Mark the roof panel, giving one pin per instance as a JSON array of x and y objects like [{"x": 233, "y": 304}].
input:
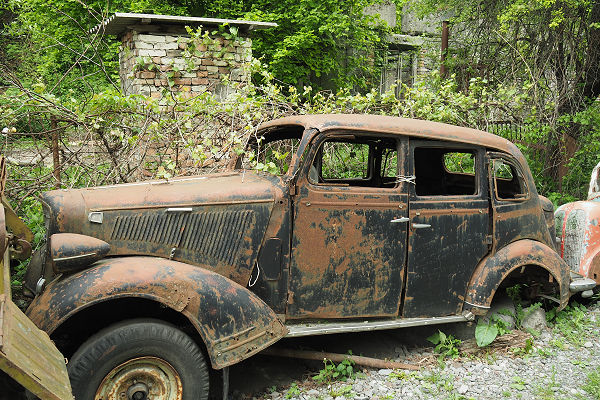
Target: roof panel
[
  {"x": 396, "y": 125},
  {"x": 118, "y": 23}
]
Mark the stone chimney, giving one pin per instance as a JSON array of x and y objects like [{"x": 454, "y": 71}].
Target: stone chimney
[{"x": 157, "y": 56}]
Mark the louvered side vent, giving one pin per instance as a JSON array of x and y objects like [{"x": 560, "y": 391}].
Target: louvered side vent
[
  {"x": 574, "y": 242},
  {"x": 216, "y": 235}
]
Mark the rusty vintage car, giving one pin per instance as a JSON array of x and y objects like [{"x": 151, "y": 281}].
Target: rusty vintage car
[
  {"x": 578, "y": 232},
  {"x": 357, "y": 223}
]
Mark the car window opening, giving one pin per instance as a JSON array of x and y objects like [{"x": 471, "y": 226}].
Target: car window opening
[
  {"x": 444, "y": 172},
  {"x": 363, "y": 161},
  {"x": 508, "y": 182},
  {"x": 273, "y": 151}
]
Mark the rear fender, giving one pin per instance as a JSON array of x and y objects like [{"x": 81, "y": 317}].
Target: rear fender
[
  {"x": 232, "y": 321},
  {"x": 492, "y": 270}
]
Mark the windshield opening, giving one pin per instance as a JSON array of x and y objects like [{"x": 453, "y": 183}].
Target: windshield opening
[{"x": 272, "y": 151}]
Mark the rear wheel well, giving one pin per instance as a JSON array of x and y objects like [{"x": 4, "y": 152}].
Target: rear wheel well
[{"x": 530, "y": 281}]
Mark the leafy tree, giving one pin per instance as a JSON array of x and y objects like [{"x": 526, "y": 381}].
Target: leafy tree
[
  {"x": 52, "y": 43},
  {"x": 316, "y": 42},
  {"x": 319, "y": 39},
  {"x": 548, "y": 50}
]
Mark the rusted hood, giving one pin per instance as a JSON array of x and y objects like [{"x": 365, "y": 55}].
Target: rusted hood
[{"x": 217, "y": 221}]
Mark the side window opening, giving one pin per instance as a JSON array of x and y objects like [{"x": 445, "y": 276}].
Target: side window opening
[
  {"x": 445, "y": 172},
  {"x": 363, "y": 161},
  {"x": 342, "y": 160},
  {"x": 509, "y": 184}
]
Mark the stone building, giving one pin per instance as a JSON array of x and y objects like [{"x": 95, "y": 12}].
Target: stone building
[
  {"x": 156, "y": 55},
  {"x": 414, "y": 49}
]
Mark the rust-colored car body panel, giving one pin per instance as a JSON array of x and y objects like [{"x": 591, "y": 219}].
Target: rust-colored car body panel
[
  {"x": 223, "y": 228},
  {"x": 394, "y": 126},
  {"x": 494, "y": 269},
  {"x": 233, "y": 322},
  {"x": 578, "y": 231},
  {"x": 63, "y": 245}
]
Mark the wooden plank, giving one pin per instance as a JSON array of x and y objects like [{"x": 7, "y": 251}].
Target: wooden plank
[{"x": 29, "y": 356}]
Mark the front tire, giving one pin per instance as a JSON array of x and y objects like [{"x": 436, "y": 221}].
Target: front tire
[{"x": 139, "y": 360}]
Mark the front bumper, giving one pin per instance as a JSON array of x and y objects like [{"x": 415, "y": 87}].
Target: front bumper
[{"x": 580, "y": 284}]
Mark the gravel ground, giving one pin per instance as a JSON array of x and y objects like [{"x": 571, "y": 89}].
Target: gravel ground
[{"x": 558, "y": 366}]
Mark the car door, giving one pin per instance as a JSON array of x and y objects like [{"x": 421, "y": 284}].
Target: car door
[
  {"x": 515, "y": 200},
  {"x": 449, "y": 226},
  {"x": 349, "y": 229}
]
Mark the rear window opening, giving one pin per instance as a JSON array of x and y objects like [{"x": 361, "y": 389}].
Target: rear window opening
[{"x": 445, "y": 172}]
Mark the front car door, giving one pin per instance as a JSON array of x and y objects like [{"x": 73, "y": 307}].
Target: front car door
[
  {"x": 449, "y": 227},
  {"x": 349, "y": 228}
]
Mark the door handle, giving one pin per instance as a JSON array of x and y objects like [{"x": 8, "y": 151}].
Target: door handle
[
  {"x": 420, "y": 226},
  {"x": 401, "y": 219}
]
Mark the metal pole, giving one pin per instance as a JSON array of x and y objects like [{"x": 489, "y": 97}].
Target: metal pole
[
  {"x": 226, "y": 383},
  {"x": 443, "y": 71},
  {"x": 55, "y": 155}
]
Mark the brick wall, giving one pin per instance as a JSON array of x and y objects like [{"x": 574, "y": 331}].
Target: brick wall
[{"x": 155, "y": 63}]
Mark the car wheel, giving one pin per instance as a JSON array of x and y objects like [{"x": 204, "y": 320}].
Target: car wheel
[{"x": 139, "y": 360}]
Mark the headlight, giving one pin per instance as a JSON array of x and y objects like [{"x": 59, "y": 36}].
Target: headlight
[{"x": 72, "y": 252}]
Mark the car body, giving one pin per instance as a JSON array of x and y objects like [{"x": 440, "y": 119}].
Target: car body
[
  {"x": 578, "y": 231},
  {"x": 363, "y": 222}
]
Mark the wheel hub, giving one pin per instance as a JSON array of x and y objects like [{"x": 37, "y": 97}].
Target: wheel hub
[
  {"x": 138, "y": 391},
  {"x": 144, "y": 378}
]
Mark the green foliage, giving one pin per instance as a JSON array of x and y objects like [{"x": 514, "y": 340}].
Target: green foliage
[
  {"x": 518, "y": 383},
  {"x": 54, "y": 41},
  {"x": 523, "y": 351},
  {"x": 545, "y": 55},
  {"x": 344, "y": 391},
  {"x": 332, "y": 372},
  {"x": 319, "y": 41},
  {"x": 325, "y": 44},
  {"x": 592, "y": 384},
  {"x": 294, "y": 390},
  {"x": 485, "y": 333},
  {"x": 572, "y": 323},
  {"x": 445, "y": 345}
]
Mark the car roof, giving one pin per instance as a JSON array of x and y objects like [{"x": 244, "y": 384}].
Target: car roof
[{"x": 393, "y": 125}]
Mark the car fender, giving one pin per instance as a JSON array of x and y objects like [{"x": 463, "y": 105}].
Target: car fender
[
  {"x": 233, "y": 322},
  {"x": 493, "y": 269},
  {"x": 591, "y": 264}
]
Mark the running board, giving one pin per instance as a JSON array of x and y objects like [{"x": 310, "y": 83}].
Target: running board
[{"x": 329, "y": 328}]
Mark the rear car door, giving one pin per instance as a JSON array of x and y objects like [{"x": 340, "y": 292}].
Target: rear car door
[{"x": 449, "y": 225}]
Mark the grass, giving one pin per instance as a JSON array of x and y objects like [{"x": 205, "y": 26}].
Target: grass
[
  {"x": 573, "y": 324},
  {"x": 592, "y": 384},
  {"x": 294, "y": 390},
  {"x": 345, "y": 391}
]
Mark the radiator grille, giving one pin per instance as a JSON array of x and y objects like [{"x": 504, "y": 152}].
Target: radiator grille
[
  {"x": 216, "y": 235},
  {"x": 574, "y": 241}
]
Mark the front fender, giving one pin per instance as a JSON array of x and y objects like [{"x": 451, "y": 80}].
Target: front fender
[
  {"x": 492, "y": 270},
  {"x": 233, "y": 322}
]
